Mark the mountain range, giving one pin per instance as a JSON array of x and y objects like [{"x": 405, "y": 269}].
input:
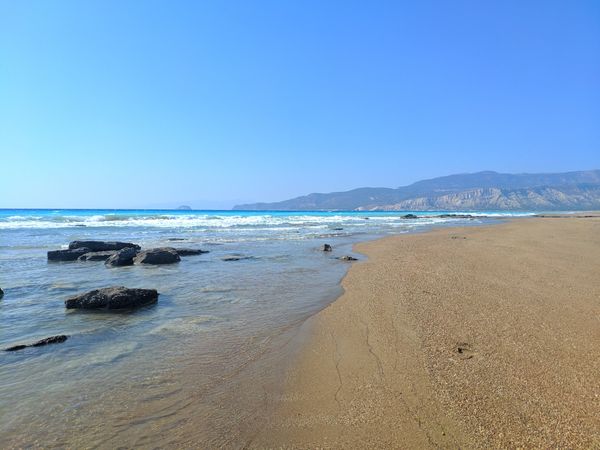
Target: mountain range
[{"x": 472, "y": 191}]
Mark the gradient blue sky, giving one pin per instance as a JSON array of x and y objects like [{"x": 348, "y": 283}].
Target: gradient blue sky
[{"x": 155, "y": 103}]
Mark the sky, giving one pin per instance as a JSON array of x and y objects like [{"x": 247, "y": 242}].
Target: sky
[{"x": 141, "y": 104}]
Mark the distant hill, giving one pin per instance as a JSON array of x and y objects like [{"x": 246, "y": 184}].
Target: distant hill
[{"x": 472, "y": 191}]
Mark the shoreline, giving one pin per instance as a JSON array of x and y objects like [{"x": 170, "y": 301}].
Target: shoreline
[{"x": 438, "y": 340}]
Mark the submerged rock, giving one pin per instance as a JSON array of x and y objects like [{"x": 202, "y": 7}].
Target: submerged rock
[
  {"x": 96, "y": 256},
  {"x": 164, "y": 255},
  {"x": 347, "y": 258},
  {"x": 49, "y": 340},
  {"x": 117, "y": 297},
  {"x": 67, "y": 255},
  {"x": 456, "y": 216},
  {"x": 102, "y": 246},
  {"x": 410, "y": 216},
  {"x": 235, "y": 257},
  {"x": 123, "y": 257},
  {"x": 189, "y": 251},
  {"x": 326, "y": 248}
]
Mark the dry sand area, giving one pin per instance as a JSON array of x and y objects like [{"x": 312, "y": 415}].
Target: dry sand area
[{"x": 479, "y": 337}]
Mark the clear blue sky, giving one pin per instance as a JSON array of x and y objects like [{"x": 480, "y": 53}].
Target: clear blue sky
[{"x": 137, "y": 104}]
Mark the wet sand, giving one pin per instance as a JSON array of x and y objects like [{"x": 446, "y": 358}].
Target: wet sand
[{"x": 459, "y": 338}]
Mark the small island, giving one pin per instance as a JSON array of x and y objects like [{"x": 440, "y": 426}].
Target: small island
[{"x": 184, "y": 208}]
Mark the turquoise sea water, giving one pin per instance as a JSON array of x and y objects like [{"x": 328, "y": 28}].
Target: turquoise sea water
[{"x": 196, "y": 366}]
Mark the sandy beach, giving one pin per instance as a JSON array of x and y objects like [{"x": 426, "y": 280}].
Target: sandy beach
[{"x": 480, "y": 337}]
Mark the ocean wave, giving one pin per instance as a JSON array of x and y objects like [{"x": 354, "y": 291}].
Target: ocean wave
[{"x": 267, "y": 222}]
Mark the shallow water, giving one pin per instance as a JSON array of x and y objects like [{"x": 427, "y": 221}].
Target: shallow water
[{"x": 202, "y": 365}]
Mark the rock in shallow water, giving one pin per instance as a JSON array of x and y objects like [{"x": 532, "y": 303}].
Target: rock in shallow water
[
  {"x": 67, "y": 255},
  {"x": 327, "y": 248},
  {"x": 1, "y": 293},
  {"x": 123, "y": 257},
  {"x": 49, "y": 340},
  {"x": 117, "y": 297},
  {"x": 164, "y": 255},
  {"x": 347, "y": 258},
  {"x": 102, "y": 246},
  {"x": 235, "y": 257},
  {"x": 189, "y": 251}
]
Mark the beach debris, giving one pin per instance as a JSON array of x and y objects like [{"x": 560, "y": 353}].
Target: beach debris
[
  {"x": 102, "y": 246},
  {"x": 163, "y": 255},
  {"x": 189, "y": 251},
  {"x": 67, "y": 255},
  {"x": 49, "y": 340},
  {"x": 464, "y": 350},
  {"x": 123, "y": 257},
  {"x": 96, "y": 256},
  {"x": 410, "y": 216},
  {"x": 116, "y": 297},
  {"x": 458, "y": 237},
  {"x": 326, "y": 248},
  {"x": 347, "y": 258}
]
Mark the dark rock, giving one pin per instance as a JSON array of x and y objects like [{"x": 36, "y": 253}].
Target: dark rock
[
  {"x": 49, "y": 340},
  {"x": 67, "y": 255},
  {"x": 96, "y": 256},
  {"x": 164, "y": 255},
  {"x": 189, "y": 251},
  {"x": 112, "y": 298},
  {"x": 337, "y": 229},
  {"x": 177, "y": 239},
  {"x": 409, "y": 216},
  {"x": 123, "y": 257},
  {"x": 14, "y": 348},
  {"x": 326, "y": 248},
  {"x": 347, "y": 258},
  {"x": 235, "y": 257},
  {"x": 1, "y": 293},
  {"x": 456, "y": 216},
  {"x": 102, "y": 246}
]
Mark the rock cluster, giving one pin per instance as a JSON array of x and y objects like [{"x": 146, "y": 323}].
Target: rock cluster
[{"x": 116, "y": 254}]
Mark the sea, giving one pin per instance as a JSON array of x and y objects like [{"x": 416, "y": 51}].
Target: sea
[{"x": 201, "y": 368}]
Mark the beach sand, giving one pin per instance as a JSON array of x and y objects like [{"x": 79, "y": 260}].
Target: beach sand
[{"x": 466, "y": 337}]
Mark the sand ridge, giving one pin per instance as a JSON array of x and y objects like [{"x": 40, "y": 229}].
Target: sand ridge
[{"x": 471, "y": 337}]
